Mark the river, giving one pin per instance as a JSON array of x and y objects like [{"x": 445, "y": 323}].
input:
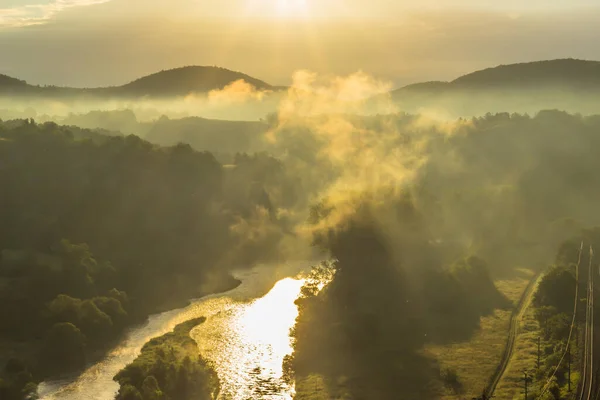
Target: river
[{"x": 245, "y": 336}]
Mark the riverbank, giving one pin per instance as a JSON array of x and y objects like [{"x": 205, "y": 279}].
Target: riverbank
[
  {"x": 216, "y": 340},
  {"x": 186, "y": 293},
  {"x": 29, "y": 353},
  {"x": 169, "y": 366},
  {"x": 181, "y": 298}
]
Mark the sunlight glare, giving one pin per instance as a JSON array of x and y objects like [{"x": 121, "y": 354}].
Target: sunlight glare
[
  {"x": 248, "y": 344},
  {"x": 291, "y": 7},
  {"x": 269, "y": 319},
  {"x": 279, "y": 8}
]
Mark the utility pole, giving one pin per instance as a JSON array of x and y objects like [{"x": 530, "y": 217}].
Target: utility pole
[
  {"x": 569, "y": 359},
  {"x": 526, "y": 380}
]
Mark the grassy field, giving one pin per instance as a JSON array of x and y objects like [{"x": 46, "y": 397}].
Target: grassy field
[
  {"x": 476, "y": 360},
  {"x": 525, "y": 359}
]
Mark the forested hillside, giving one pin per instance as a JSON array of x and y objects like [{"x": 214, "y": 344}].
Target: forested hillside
[
  {"x": 98, "y": 231},
  {"x": 415, "y": 265}
]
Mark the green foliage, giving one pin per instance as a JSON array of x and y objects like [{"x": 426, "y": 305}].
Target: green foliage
[
  {"x": 556, "y": 289},
  {"x": 456, "y": 297},
  {"x": 64, "y": 347},
  {"x": 451, "y": 380},
  {"x": 139, "y": 217},
  {"x": 554, "y": 312},
  {"x": 391, "y": 292},
  {"x": 113, "y": 308},
  {"x": 169, "y": 368},
  {"x": 121, "y": 222},
  {"x": 216, "y": 136},
  {"x": 98, "y": 318},
  {"x": 56, "y": 278},
  {"x": 14, "y": 366},
  {"x": 543, "y": 314},
  {"x": 18, "y": 382},
  {"x": 129, "y": 392},
  {"x": 95, "y": 323},
  {"x": 65, "y": 309},
  {"x": 558, "y": 327},
  {"x": 120, "y": 296},
  {"x": 150, "y": 389}
]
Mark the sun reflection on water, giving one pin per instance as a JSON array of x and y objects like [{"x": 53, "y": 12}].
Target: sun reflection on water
[{"x": 247, "y": 344}]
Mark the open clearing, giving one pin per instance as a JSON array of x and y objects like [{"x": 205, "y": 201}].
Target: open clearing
[{"x": 476, "y": 360}]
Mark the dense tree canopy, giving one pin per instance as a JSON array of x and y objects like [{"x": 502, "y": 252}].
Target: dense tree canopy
[{"x": 98, "y": 231}]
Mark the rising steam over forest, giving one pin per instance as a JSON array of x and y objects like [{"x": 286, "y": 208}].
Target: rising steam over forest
[{"x": 121, "y": 202}]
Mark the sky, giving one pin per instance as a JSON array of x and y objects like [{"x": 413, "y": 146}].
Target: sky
[{"x": 89, "y": 43}]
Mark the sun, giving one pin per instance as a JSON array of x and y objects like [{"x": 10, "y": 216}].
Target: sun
[
  {"x": 280, "y": 9},
  {"x": 291, "y": 7}
]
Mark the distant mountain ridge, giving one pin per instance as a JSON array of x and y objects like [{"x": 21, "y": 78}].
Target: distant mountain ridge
[
  {"x": 567, "y": 74},
  {"x": 561, "y": 73},
  {"x": 188, "y": 79},
  {"x": 167, "y": 83},
  {"x": 565, "y": 84},
  {"x": 11, "y": 83}
]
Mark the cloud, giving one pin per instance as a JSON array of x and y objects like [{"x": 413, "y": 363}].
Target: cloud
[{"x": 38, "y": 13}]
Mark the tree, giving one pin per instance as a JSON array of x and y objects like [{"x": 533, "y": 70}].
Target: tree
[
  {"x": 94, "y": 323},
  {"x": 150, "y": 389},
  {"x": 14, "y": 366},
  {"x": 543, "y": 314},
  {"x": 558, "y": 327},
  {"x": 65, "y": 309},
  {"x": 113, "y": 308},
  {"x": 63, "y": 347},
  {"x": 129, "y": 392},
  {"x": 556, "y": 289}
]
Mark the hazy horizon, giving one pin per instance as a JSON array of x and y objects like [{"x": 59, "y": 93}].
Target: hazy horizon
[
  {"x": 91, "y": 43},
  {"x": 202, "y": 235}
]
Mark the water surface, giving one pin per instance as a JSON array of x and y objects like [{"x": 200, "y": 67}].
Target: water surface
[{"x": 245, "y": 336}]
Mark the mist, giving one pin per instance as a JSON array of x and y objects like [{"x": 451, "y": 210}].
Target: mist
[{"x": 434, "y": 214}]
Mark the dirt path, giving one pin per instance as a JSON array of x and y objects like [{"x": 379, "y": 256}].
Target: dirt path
[{"x": 513, "y": 332}]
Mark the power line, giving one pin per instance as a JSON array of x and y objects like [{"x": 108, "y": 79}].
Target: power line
[
  {"x": 588, "y": 368},
  {"x": 587, "y": 385},
  {"x": 549, "y": 381}
]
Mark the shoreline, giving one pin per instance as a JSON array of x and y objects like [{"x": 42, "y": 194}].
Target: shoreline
[
  {"x": 178, "y": 350},
  {"x": 182, "y": 301},
  {"x": 168, "y": 305}
]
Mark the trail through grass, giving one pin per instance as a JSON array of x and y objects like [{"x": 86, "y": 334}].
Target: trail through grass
[{"x": 475, "y": 361}]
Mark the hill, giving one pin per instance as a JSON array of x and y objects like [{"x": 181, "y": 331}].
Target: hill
[
  {"x": 182, "y": 81},
  {"x": 566, "y": 84},
  {"x": 11, "y": 83},
  {"x": 564, "y": 73},
  {"x": 170, "y": 83}
]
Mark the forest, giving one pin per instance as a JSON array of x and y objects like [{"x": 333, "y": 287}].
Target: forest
[
  {"x": 299, "y": 199},
  {"x": 101, "y": 229}
]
